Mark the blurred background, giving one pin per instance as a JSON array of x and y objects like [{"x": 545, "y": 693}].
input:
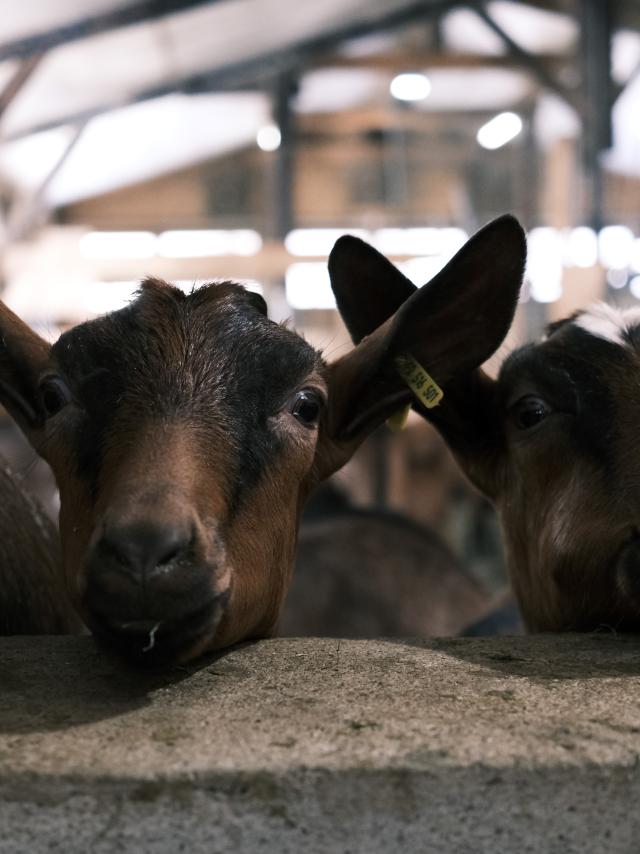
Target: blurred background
[{"x": 204, "y": 139}]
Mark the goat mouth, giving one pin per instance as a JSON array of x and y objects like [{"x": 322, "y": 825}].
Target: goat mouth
[{"x": 148, "y": 643}]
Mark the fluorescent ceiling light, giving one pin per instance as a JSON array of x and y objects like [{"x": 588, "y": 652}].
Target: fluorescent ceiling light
[
  {"x": 410, "y": 87},
  {"x": 544, "y": 264},
  {"x": 422, "y": 270},
  {"x": 307, "y": 286},
  {"x": 145, "y": 140},
  {"x": 500, "y": 130},
  {"x": 206, "y": 243},
  {"x": 118, "y": 244},
  {"x": 269, "y": 137},
  {"x": 616, "y": 246},
  {"x": 318, "y": 241},
  {"x": 420, "y": 241},
  {"x": 581, "y": 247},
  {"x": 100, "y": 297}
]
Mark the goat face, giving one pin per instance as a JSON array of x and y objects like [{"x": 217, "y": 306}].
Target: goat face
[
  {"x": 566, "y": 472},
  {"x": 182, "y": 432},
  {"x": 186, "y": 431},
  {"x": 553, "y": 442}
]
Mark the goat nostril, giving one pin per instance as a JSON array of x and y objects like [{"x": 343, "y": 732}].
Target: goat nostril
[
  {"x": 173, "y": 552},
  {"x": 167, "y": 558},
  {"x": 143, "y": 546}
]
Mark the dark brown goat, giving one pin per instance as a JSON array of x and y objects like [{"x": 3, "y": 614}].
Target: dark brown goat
[
  {"x": 553, "y": 443},
  {"x": 185, "y": 432},
  {"x": 32, "y": 596},
  {"x": 365, "y": 572}
]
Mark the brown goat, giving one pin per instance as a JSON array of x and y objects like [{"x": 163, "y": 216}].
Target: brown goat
[
  {"x": 185, "y": 432},
  {"x": 32, "y": 596},
  {"x": 366, "y": 572},
  {"x": 553, "y": 443}
]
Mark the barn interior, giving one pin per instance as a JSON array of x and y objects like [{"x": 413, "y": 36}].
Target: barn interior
[{"x": 196, "y": 140}]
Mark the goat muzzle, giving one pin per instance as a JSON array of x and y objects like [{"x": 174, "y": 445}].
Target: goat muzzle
[{"x": 153, "y": 589}]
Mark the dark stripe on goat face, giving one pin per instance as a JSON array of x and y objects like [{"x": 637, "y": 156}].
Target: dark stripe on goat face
[
  {"x": 211, "y": 359},
  {"x": 570, "y": 491},
  {"x": 580, "y": 377}
]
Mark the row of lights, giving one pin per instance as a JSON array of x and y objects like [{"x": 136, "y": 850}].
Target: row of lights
[
  {"x": 615, "y": 246},
  {"x": 498, "y": 131},
  {"x": 303, "y": 242},
  {"x": 414, "y": 87},
  {"x": 198, "y": 243},
  {"x": 101, "y": 297},
  {"x": 551, "y": 250}
]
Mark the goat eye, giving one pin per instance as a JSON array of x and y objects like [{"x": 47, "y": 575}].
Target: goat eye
[
  {"x": 529, "y": 411},
  {"x": 54, "y": 394},
  {"x": 306, "y": 407}
]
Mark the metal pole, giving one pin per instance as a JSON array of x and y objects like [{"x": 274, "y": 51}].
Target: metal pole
[
  {"x": 284, "y": 163},
  {"x": 23, "y": 72},
  {"x": 595, "y": 49}
]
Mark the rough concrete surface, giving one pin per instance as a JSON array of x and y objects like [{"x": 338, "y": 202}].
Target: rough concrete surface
[{"x": 467, "y": 745}]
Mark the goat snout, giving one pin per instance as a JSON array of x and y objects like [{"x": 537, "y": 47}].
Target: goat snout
[
  {"x": 153, "y": 584},
  {"x": 145, "y": 550}
]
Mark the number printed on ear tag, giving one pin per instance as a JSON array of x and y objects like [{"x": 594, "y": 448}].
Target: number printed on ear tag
[{"x": 425, "y": 388}]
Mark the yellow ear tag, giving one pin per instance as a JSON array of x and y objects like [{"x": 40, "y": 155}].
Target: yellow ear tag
[
  {"x": 425, "y": 388},
  {"x": 398, "y": 421}
]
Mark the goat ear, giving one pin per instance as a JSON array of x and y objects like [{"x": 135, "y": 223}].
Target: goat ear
[
  {"x": 450, "y": 326},
  {"x": 23, "y": 356},
  {"x": 367, "y": 287}
]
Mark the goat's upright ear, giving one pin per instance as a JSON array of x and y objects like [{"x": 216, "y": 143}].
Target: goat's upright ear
[
  {"x": 23, "y": 356},
  {"x": 450, "y": 326},
  {"x": 367, "y": 287}
]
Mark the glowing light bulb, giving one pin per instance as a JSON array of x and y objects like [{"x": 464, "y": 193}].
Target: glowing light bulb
[
  {"x": 500, "y": 130},
  {"x": 410, "y": 87}
]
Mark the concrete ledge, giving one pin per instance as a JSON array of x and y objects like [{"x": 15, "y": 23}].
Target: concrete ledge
[{"x": 467, "y": 745}]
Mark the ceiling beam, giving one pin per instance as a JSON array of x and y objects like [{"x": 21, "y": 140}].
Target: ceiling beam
[
  {"x": 523, "y": 58},
  {"x": 426, "y": 60},
  {"x": 20, "y": 76},
  {"x": 259, "y": 71},
  {"x": 92, "y": 25},
  {"x": 363, "y": 120},
  {"x": 29, "y": 213}
]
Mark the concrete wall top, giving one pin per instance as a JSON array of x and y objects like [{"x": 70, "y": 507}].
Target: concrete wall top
[{"x": 448, "y": 745}]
